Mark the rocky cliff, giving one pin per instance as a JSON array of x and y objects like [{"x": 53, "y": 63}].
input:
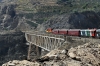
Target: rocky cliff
[
  {"x": 12, "y": 46},
  {"x": 78, "y": 20},
  {"x": 8, "y": 18}
]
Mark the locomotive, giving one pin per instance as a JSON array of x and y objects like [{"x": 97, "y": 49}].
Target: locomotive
[{"x": 76, "y": 32}]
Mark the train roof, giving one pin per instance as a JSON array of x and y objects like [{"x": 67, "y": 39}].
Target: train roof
[
  {"x": 98, "y": 30},
  {"x": 88, "y": 29},
  {"x": 74, "y": 29},
  {"x": 63, "y": 29}
]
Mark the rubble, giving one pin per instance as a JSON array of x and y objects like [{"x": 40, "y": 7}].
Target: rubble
[
  {"x": 87, "y": 53},
  {"x": 21, "y": 63}
]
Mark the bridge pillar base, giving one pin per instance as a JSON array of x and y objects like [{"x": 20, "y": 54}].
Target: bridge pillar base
[
  {"x": 38, "y": 51},
  {"x": 33, "y": 52}
]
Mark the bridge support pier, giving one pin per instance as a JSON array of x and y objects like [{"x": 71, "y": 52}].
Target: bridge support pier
[
  {"x": 33, "y": 52},
  {"x": 38, "y": 51},
  {"x": 29, "y": 51}
]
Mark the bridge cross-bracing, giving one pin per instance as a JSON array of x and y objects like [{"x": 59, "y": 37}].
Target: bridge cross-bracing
[{"x": 45, "y": 41}]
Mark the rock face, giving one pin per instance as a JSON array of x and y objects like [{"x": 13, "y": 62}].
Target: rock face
[
  {"x": 88, "y": 53},
  {"x": 12, "y": 46},
  {"x": 87, "y": 19},
  {"x": 8, "y": 18},
  {"x": 58, "y": 22},
  {"x": 9, "y": 10},
  {"x": 78, "y": 20}
]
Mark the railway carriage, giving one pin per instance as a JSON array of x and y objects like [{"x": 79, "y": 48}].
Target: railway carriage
[
  {"x": 55, "y": 31},
  {"x": 93, "y": 32},
  {"x": 87, "y": 32},
  {"x": 98, "y": 33},
  {"x": 74, "y": 32},
  {"x": 63, "y": 31}
]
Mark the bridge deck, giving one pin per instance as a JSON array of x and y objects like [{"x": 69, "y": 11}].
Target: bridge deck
[{"x": 46, "y": 41}]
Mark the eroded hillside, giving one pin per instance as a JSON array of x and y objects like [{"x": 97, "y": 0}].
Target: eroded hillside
[
  {"x": 30, "y": 14},
  {"x": 78, "y": 20}
]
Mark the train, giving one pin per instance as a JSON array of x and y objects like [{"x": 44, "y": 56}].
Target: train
[{"x": 95, "y": 33}]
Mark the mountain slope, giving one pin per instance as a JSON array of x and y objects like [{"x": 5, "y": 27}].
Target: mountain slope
[
  {"x": 30, "y": 14},
  {"x": 78, "y": 20}
]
